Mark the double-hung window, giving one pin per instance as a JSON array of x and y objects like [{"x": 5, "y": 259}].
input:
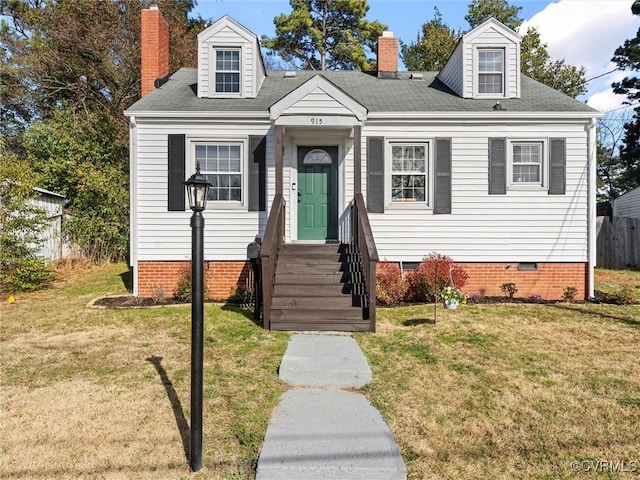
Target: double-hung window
[
  {"x": 527, "y": 163},
  {"x": 490, "y": 71},
  {"x": 409, "y": 164},
  {"x": 227, "y": 62},
  {"x": 221, "y": 164}
]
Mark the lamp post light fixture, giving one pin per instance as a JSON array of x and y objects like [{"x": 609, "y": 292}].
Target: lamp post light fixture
[{"x": 197, "y": 191}]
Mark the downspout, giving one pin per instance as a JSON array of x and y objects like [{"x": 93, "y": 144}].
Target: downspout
[
  {"x": 591, "y": 209},
  {"x": 133, "y": 194}
]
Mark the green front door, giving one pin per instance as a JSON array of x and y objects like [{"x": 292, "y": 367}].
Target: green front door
[{"x": 317, "y": 193}]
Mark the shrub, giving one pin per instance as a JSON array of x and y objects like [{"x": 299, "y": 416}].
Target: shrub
[
  {"x": 509, "y": 289},
  {"x": 389, "y": 284},
  {"x": 25, "y": 274},
  {"x": 183, "y": 290},
  {"x": 625, "y": 295},
  {"x": 432, "y": 275},
  {"x": 569, "y": 294},
  {"x": 241, "y": 295}
]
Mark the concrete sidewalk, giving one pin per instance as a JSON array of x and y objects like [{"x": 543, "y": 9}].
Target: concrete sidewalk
[{"x": 324, "y": 432}]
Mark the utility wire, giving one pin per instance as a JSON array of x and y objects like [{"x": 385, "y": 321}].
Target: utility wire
[{"x": 602, "y": 75}]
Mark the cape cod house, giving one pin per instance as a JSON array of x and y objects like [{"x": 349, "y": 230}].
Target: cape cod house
[{"x": 338, "y": 170}]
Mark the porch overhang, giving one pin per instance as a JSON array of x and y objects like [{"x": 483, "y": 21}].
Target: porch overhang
[{"x": 318, "y": 103}]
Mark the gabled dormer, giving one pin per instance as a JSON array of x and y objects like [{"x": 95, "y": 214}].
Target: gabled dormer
[
  {"x": 485, "y": 63},
  {"x": 230, "y": 64}
]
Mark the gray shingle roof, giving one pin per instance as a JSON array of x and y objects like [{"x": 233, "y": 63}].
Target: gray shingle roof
[{"x": 377, "y": 95}]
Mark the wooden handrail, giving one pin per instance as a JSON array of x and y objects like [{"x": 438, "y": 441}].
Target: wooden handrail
[
  {"x": 273, "y": 238},
  {"x": 362, "y": 238}
]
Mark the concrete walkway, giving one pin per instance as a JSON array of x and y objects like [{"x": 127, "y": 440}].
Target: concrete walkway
[{"x": 324, "y": 432}]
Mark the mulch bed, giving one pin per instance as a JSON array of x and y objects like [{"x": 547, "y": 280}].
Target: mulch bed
[{"x": 129, "y": 301}]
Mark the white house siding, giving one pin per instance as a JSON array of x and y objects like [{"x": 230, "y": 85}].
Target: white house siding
[
  {"x": 166, "y": 235},
  {"x": 524, "y": 226},
  {"x": 627, "y": 205},
  {"x": 452, "y": 74}
]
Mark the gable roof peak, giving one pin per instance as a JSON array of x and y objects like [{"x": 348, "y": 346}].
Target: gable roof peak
[
  {"x": 226, "y": 21},
  {"x": 491, "y": 22}
]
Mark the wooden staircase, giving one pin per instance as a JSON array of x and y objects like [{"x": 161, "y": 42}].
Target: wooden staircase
[{"x": 314, "y": 289}]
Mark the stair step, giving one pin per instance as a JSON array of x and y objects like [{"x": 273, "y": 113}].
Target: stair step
[
  {"x": 312, "y": 247},
  {"x": 314, "y": 314},
  {"x": 310, "y": 268},
  {"x": 311, "y": 279},
  {"x": 335, "y": 302},
  {"x": 358, "y": 326},
  {"x": 280, "y": 290}
]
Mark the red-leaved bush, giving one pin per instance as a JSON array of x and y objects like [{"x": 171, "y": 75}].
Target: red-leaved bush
[
  {"x": 389, "y": 284},
  {"x": 434, "y": 273}
]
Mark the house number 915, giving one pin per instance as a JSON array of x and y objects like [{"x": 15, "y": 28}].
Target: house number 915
[{"x": 316, "y": 121}]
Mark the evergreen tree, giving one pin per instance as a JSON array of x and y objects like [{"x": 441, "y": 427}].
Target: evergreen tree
[
  {"x": 432, "y": 48},
  {"x": 627, "y": 57},
  {"x": 326, "y": 35}
]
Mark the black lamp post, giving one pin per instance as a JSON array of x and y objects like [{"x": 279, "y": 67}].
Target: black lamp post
[{"x": 197, "y": 190}]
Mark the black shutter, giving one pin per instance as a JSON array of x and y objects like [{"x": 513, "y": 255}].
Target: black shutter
[
  {"x": 442, "y": 180},
  {"x": 497, "y": 166},
  {"x": 257, "y": 173},
  {"x": 176, "y": 170},
  {"x": 557, "y": 167},
  {"x": 375, "y": 174}
]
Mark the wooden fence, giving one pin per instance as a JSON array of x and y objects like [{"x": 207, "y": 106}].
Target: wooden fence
[{"x": 618, "y": 242}]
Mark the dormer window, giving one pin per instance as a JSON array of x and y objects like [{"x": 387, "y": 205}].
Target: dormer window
[
  {"x": 227, "y": 78},
  {"x": 490, "y": 71}
]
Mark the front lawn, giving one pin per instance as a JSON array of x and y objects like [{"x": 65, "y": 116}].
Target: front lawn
[
  {"x": 105, "y": 394},
  {"x": 511, "y": 391},
  {"x": 489, "y": 391}
]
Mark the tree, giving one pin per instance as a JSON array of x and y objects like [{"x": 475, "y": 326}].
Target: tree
[
  {"x": 73, "y": 153},
  {"x": 20, "y": 225},
  {"x": 481, "y": 10},
  {"x": 627, "y": 57},
  {"x": 325, "y": 35},
  {"x": 69, "y": 70},
  {"x": 610, "y": 168},
  {"x": 535, "y": 63},
  {"x": 432, "y": 48}
]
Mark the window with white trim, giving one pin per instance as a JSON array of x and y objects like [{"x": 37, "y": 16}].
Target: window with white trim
[
  {"x": 221, "y": 164},
  {"x": 490, "y": 71},
  {"x": 527, "y": 164},
  {"x": 227, "y": 70},
  {"x": 409, "y": 169}
]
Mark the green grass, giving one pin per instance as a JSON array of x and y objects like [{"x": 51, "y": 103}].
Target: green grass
[
  {"x": 508, "y": 390},
  {"x": 107, "y": 392},
  {"x": 487, "y": 391}
]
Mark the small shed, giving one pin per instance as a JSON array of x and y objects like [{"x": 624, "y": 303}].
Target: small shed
[
  {"x": 51, "y": 243},
  {"x": 627, "y": 205}
]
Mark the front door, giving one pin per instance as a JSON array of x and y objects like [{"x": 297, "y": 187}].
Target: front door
[{"x": 317, "y": 193}]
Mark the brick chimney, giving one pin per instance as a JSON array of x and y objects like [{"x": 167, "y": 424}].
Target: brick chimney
[
  {"x": 387, "y": 55},
  {"x": 154, "y": 36}
]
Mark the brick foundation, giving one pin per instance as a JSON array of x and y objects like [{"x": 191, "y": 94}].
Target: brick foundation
[
  {"x": 549, "y": 280},
  {"x": 220, "y": 277}
]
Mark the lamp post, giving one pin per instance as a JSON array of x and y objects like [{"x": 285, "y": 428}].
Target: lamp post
[{"x": 197, "y": 190}]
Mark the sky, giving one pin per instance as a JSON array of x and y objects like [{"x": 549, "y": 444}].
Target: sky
[{"x": 582, "y": 32}]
